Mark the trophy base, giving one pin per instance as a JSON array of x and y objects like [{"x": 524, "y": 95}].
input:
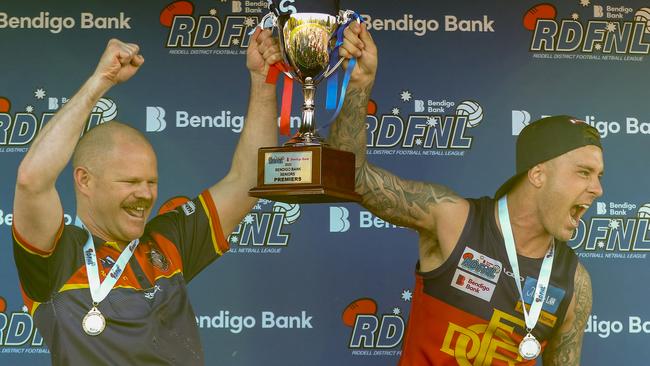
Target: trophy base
[{"x": 305, "y": 174}]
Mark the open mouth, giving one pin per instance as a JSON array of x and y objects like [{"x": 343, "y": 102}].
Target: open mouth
[{"x": 576, "y": 213}]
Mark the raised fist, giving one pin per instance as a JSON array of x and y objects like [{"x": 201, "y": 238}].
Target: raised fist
[
  {"x": 119, "y": 62},
  {"x": 263, "y": 51}
]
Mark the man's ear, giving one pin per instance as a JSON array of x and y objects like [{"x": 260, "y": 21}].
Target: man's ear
[
  {"x": 537, "y": 175},
  {"x": 82, "y": 178}
]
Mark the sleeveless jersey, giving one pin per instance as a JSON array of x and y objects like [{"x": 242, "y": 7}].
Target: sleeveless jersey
[{"x": 468, "y": 310}]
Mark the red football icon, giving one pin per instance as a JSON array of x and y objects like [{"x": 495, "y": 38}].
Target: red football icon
[
  {"x": 3, "y": 304},
  {"x": 168, "y": 13},
  {"x": 372, "y": 107},
  {"x": 5, "y": 105},
  {"x": 539, "y": 11},
  {"x": 358, "y": 307},
  {"x": 171, "y": 204}
]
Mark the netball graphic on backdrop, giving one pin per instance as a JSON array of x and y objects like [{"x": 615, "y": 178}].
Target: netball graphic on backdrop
[
  {"x": 20, "y": 125},
  {"x": 438, "y": 127}
]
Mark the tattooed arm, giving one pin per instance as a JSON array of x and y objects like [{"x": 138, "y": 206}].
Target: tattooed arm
[
  {"x": 425, "y": 207},
  {"x": 564, "y": 349}
]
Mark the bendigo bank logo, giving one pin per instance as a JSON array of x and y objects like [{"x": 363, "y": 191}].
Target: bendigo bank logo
[
  {"x": 571, "y": 33},
  {"x": 18, "y": 334},
  {"x": 373, "y": 334},
  {"x": 187, "y": 30}
]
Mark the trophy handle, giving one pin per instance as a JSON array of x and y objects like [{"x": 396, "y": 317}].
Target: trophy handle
[{"x": 344, "y": 17}]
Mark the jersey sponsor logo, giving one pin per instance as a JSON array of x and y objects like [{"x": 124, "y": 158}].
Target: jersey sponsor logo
[
  {"x": 107, "y": 262},
  {"x": 484, "y": 344},
  {"x": 188, "y": 208},
  {"x": 545, "y": 317},
  {"x": 554, "y": 295},
  {"x": 473, "y": 285},
  {"x": 480, "y": 264},
  {"x": 158, "y": 260}
]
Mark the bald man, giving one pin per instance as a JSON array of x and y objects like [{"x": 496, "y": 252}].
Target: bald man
[{"x": 112, "y": 289}]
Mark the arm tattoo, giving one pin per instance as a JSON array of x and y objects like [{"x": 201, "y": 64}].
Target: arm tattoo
[
  {"x": 349, "y": 130},
  {"x": 399, "y": 201},
  {"x": 396, "y": 200},
  {"x": 564, "y": 349}
]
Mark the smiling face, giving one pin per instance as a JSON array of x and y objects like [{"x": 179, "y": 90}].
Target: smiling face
[
  {"x": 116, "y": 178},
  {"x": 570, "y": 183},
  {"x": 124, "y": 191}
]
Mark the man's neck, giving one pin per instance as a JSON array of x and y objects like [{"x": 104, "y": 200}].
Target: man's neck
[
  {"x": 94, "y": 229},
  {"x": 531, "y": 239}
]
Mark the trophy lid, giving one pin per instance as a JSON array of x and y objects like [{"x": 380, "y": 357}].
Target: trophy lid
[{"x": 284, "y": 7}]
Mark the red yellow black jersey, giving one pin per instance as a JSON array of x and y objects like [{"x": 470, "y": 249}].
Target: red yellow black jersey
[
  {"x": 149, "y": 317},
  {"x": 468, "y": 311}
]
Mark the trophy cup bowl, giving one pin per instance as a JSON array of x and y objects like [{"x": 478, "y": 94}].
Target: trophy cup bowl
[{"x": 305, "y": 170}]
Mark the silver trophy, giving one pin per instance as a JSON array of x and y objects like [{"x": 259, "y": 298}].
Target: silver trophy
[{"x": 319, "y": 173}]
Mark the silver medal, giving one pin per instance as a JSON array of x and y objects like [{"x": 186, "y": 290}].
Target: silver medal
[
  {"x": 94, "y": 322},
  {"x": 529, "y": 348}
]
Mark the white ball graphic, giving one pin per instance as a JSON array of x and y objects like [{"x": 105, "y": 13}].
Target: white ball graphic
[
  {"x": 106, "y": 108},
  {"x": 291, "y": 211},
  {"x": 472, "y": 110},
  {"x": 643, "y": 15},
  {"x": 644, "y": 211}
]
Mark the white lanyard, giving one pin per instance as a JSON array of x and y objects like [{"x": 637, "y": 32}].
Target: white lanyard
[
  {"x": 99, "y": 291},
  {"x": 544, "y": 273}
]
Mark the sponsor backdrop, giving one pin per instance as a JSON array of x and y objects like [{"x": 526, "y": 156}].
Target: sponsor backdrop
[{"x": 332, "y": 284}]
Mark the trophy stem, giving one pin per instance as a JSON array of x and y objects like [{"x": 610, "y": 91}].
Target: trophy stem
[{"x": 307, "y": 134}]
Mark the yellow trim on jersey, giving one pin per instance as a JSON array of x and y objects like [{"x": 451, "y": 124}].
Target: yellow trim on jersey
[
  {"x": 212, "y": 229},
  {"x": 33, "y": 309},
  {"x": 28, "y": 250},
  {"x": 77, "y": 286},
  {"x": 168, "y": 276}
]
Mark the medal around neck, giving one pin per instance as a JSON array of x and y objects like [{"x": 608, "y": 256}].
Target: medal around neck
[
  {"x": 94, "y": 322},
  {"x": 529, "y": 347}
]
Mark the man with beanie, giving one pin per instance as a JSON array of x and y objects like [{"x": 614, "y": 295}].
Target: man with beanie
[{"x": 495, "y": 282}]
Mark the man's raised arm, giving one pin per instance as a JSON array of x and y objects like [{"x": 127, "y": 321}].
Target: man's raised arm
[
  {"x": 413, "y": 204},
  {"x": 260, "y": 129},
  {"x": 38, "y": 213}
]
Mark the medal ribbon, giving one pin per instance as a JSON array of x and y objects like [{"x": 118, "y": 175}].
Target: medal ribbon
[
  {"x": 544, "y": 273},
  {"x": 99, "y": 291}
]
